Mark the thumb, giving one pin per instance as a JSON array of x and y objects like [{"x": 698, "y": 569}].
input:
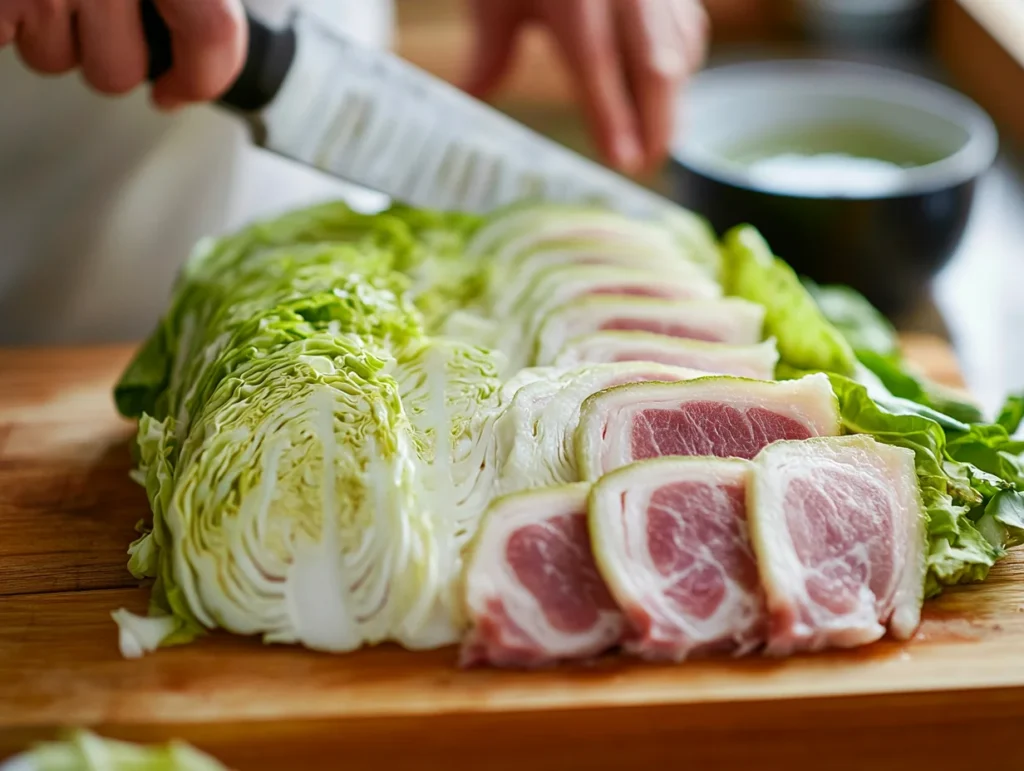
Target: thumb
[{"x": 496, "y": 26}]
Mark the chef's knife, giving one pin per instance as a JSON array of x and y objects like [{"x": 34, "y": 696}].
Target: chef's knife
[{"x": 373, "y": 119}]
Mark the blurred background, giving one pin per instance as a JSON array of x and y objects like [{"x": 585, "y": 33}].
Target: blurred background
[{"x": 973, "y": 46}]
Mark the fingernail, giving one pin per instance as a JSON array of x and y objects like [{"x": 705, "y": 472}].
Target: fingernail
[{"x": 628, "y": 155}]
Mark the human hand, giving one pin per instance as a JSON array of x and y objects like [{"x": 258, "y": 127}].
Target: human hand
[
  {"x": 628, "y": 57},
  {"x": 104, "y": 39}
]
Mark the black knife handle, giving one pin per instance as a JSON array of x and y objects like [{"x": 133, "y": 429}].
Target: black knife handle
[{"x": 268, "y": 59}]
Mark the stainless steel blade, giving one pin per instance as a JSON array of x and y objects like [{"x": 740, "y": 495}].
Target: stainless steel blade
[{"x": 377, "y": 121}]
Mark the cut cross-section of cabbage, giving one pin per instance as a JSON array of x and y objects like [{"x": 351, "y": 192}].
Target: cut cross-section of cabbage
[
  {"x": 720, "y": 416},
  {"x": 294, "y": 513},
  {"x": 670, "y": 538},
  {"x": 753, "y": 361},
  {"x": 452, "y": 395}
]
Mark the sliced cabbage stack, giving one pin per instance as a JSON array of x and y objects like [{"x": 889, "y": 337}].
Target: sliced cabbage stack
[
  {"x": 840, "y": 534},
  {"x": 511, "y": 235},
  {"x": 533, "y": 592},
  {"x": 670, "y": 538},
  {"x": 725, "y": 320},
  {"x": 535, "y": 260},
  {"x": 751, "y": 361},
  {"x": 296, "y": 512},
  {"x": 716, "y": 416}
]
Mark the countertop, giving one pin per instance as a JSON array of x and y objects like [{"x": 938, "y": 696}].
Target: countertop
[{"x": 68, "y": 509}]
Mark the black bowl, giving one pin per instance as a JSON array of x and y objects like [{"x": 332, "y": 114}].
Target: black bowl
[{"x": 887, "y": 239}]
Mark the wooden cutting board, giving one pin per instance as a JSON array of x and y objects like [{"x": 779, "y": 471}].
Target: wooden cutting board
[{"x": 951, "y": 698}]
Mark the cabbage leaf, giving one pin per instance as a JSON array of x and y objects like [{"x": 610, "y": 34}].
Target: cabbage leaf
[{"x": 81, "y": 750}]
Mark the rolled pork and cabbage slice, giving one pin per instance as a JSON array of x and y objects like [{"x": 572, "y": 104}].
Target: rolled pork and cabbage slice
[
  {"x": 839, "y": 530},
  {"x": 533, "y": 593},
  {"x": 557, "y": 286},
  {"x": 723, "y": 320},
  {"x": 756, "y": 361},
  {"x": 670, "y": 539},
  {"x": 566, "y": 279},
  {"x": 512, "y": 280},
  {"x": 717, "y": 416},
  {"x": 535, "y": 434},
  {"x": 509, "y": 234}
]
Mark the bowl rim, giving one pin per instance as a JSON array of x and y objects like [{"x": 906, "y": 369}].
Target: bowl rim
[{"x": 878, "y": 82}]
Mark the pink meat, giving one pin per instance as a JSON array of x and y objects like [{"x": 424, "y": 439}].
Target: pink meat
[
  {"x": 697, "y": 532},
  {"x": 710, "y": 428},
  {"x": 632, "y": 291},
  {"x": 714, "y": 416},
  {"x": 674, "y": 545},
  {"x": 842, "y": 529},
  {"x": 661, "y": 328},
  {"x": 840, "y": 540},
  {"x": 540, "y": 598},
  {"x": 553, "y": 561}
]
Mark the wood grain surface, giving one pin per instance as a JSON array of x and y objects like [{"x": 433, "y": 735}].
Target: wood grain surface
[{"x": 67, "y": 510}]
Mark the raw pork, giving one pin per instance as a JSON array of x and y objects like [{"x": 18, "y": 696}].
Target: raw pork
[
  {"x": 753, "y": 361},
  {"x": 725, "y": 320},
  {"x": 720, "y": 416},
  {"x": 670, "y": 539},
  {"x": 533, "y": 593},
  {"x": 518, "y": 230},
  {"x": 839, "y": 531},
  {"x": 560, "y": 285},
  {"x": 522, "y": 277}
]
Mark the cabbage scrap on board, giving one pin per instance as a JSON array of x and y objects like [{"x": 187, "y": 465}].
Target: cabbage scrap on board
[
  {"x": 86, "y": 751},
  {"x": 333, "y": 399}
]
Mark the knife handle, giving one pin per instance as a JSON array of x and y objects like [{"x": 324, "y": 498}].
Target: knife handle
[{"x": 268, "y": 59}]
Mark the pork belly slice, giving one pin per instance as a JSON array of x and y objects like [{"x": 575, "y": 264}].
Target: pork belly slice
[
  {"x": 519, "y": 280},
  {"x": 562, "y": 285},
  {"x": 533, "y": 593},
  {"x": 717, "y": 416},
  {"x": 509, "y": 234},
  {"x": 722, "y": 320},
  {"x": 670, "y": 539},
  {"x": 753, "y": 361},
  {"x": 839, "y": 530}
]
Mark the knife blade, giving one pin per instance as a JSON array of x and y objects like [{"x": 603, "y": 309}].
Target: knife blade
[{"x": 373, "y": 119}]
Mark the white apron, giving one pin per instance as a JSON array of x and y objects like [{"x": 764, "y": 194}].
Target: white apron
[{"x": 101, "y": 198}]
